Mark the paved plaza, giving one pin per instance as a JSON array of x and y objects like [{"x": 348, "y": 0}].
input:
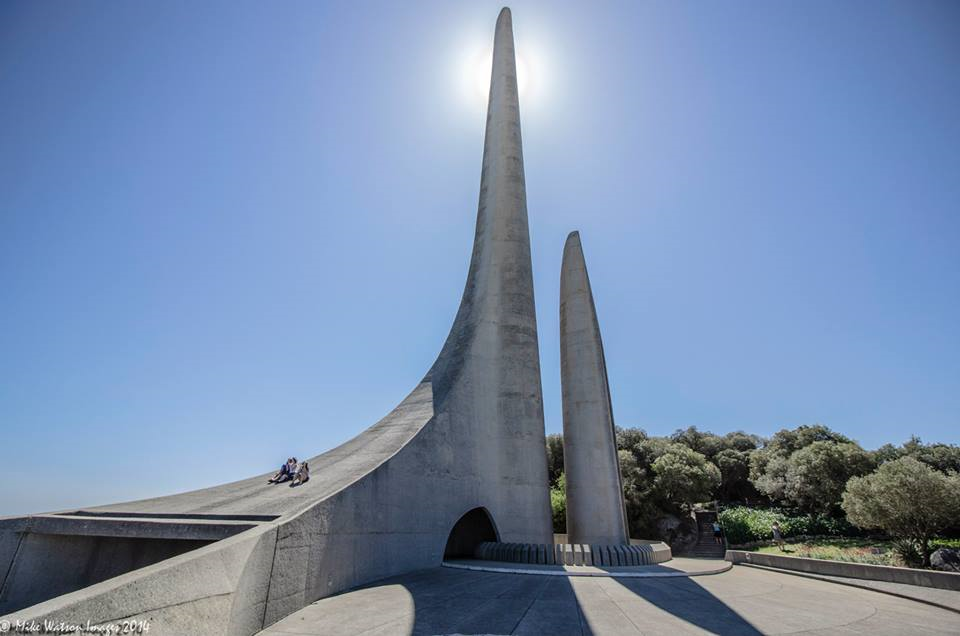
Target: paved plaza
[{"x": 744, "y": 600}]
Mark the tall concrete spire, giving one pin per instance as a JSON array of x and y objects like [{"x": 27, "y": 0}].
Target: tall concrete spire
[
  {"x": 595, "y": 510},
  {"x": 461, "y": 460},
  {"x": 487, "y": 377}
]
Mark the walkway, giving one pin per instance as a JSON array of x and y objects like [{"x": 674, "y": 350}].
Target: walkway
[
  {"x": 741, "y": 601},
  {"x": 943, "y": 598}
]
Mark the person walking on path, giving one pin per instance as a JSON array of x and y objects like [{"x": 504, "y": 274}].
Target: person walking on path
[
  {"x": 777, "y": 535},
  {"x": 717, "y": 533}
]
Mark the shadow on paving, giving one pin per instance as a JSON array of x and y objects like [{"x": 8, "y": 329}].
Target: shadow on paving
[
  {"x": 449, "y": 601},
  {"x": 682, "y": 598}
]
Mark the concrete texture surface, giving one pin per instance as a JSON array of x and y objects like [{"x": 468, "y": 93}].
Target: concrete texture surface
[
  {"x": 49, "y": 565},
  {"x": 908, "y": 576},
  {"x": 947, "y": 599},
  {"x": 572, "y": 554},
  {"x": 672, "y": 568},
  {"x": 127, "y": 526},
  {"x": 742, "y": 601},
  {"x": 595, "y": 507},
  {"x": 469, "y": 437}
]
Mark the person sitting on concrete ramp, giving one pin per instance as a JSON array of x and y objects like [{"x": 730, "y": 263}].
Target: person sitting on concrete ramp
[
  {"x": 285, "y": 473},
  {"x": 301, "y": 475}
]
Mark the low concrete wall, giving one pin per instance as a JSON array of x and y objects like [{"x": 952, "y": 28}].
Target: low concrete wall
[
  {"x": 908, "y": 576},
  {"x": 219, "y": 589},
  {"x": 647, "y": 553},
  {"x": 49, "y": 565},
  {"x": 562, "y": 538}
]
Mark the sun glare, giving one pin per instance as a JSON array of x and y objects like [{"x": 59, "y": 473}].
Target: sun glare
[
  {"x": 482, "y": 67},
  {"x": 475, "y": 73}
]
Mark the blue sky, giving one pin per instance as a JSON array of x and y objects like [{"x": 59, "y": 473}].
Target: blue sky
[{"x": 233, "y": 232}]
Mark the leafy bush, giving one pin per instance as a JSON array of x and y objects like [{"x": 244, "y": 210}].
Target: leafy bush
[
  {"x": 810, "y": 478},
  {"x": 743, "y": 525},
  {"x": 684, "y": 476},
  {"x": 908, "y": 552},
  {"x": 907, "y": 499}
]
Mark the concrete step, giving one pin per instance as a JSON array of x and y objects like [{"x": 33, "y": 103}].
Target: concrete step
[{"x": 712, "y": 550}]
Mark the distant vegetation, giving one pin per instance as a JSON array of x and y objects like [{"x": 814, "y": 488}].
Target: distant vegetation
[
  {"x": 868, "y": 550},
  {"x": 746, "y": 525},
  {"x": 811, "y": 479},
  {"x": 908, "y": 500}
]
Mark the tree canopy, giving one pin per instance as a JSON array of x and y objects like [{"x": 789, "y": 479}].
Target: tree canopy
[
  {"x": 907, "y": 499},
  {"x": 684, "y": 476},
  {"x": 805, "y": 469}
]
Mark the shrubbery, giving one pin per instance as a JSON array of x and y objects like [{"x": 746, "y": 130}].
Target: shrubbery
[
  {"x": 799, "y": 473},
  {"x": 908, "y": 500},
  {"x": 744, "y": 525}
]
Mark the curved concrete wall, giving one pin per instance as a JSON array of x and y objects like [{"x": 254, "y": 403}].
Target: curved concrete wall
[
  {"x": 470, "y": 435},
  {"x": 647, "y": 553}
]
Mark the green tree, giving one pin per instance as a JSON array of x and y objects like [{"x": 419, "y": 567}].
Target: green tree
[
  {"x": 740, "y": 441},
  {"x": 887, "y": 453},
  {"x": 703, "y": 442},
  {"x": 554, "y": 457},
  {"x": 786, "y": 442},
  {"x": 907, "y": 499},
  {"x": 942, "y": 457},
  {"x": 734, "y": 468},
  {"x": 768, "y": 473},
  {"x": 637, "y": 452},
  {"x": 817, "y": 474},
  {"x": 558, "y": 504},
  {"x": 629, "y": 438},
  {"x": 684, "y": 477},
  {"x": 644, "y": 503},
  {"x": 805, "y": 467}
]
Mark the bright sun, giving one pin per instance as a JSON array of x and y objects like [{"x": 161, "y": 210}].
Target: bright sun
[
  {"x": 476, "y": 76},
  {"x": 481, "y": 72},
  {"x": 471, "y": 70}
]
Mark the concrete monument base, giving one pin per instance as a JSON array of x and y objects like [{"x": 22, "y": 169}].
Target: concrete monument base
[{"x": 575, "y": 553}]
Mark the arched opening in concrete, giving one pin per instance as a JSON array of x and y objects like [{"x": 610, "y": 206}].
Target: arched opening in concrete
[{"x": 471, "y": 530}]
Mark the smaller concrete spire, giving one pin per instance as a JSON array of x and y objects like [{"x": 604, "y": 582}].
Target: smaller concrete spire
[{"x": 595, "y": 511}]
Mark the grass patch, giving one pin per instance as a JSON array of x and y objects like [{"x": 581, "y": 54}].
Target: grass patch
[{"x": 850, "y": 549}]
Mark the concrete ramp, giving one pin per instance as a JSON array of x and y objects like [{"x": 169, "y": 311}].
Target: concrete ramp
[{"x": 464, "y": 450}]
